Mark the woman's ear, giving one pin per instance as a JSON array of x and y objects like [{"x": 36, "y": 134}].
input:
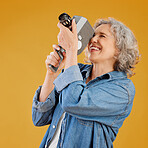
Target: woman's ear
[{"x": 116, "y": 53}]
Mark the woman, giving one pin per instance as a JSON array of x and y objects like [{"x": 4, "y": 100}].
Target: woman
[{"x": 86, "y": 104}]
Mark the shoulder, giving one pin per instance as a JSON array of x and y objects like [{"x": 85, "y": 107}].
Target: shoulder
[
  {"x": 126, "y": 85},
  {"x": 120, "y": 79}
]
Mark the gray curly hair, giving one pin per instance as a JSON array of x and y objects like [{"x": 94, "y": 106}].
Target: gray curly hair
[{"x": 126, "y": 43}]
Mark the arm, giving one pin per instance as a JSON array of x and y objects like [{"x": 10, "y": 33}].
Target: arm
[
  {"x": 104, "y": 102},
  {"x": 69, "y": 41},
  {"x": 46, "y": 96},
  {"x": 47, "y": 87},
  {"x": 44, "y": 99},
  {"x": 42, "y": 111}
]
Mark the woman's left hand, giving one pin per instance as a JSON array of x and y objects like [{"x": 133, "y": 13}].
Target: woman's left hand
[{"x": 68, "y": 39}]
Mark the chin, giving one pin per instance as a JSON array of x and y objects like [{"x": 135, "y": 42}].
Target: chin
[{"x": 93, "y": 61}]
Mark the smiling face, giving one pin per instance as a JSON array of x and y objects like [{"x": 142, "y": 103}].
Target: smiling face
[{"x": 102, "y": 47}]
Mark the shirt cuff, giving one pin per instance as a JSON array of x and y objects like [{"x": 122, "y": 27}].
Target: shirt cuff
[
  {"x": 70, "y": 75},
  {"x": 43, "y": 106}
]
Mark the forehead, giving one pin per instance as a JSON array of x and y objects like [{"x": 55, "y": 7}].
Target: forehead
[{"x": 104, "y": 28}]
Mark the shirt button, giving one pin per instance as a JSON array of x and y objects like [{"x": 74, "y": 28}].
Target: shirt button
[{"x": 53, "y": 126}]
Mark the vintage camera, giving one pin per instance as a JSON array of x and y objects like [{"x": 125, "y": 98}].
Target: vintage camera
[{"x": 84, "y": 30}]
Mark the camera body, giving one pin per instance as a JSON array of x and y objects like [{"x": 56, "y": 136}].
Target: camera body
[{"x": 84, "y": 30}]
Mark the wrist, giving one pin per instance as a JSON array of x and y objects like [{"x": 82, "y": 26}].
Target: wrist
[
  {"x": 70, "y": 61},
  {"x": 52, "y": 75},
  {"x": 71, "y": 53}
]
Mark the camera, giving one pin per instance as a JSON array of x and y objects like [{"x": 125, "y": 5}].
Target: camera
[{"x": 84, "y": 31}]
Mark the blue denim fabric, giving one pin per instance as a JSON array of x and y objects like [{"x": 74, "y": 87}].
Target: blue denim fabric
[{"x": 94, "y": 111}]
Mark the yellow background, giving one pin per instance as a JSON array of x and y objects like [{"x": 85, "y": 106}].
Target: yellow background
[{"x": 28, "y": 28}]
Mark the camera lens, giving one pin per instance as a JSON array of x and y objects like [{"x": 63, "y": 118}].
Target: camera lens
[{"x": 66, "y": 20}]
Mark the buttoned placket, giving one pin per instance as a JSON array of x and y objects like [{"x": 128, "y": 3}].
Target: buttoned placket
[
  {"x": 63, "y": 129},
  {"x": 54, "y": 126}
]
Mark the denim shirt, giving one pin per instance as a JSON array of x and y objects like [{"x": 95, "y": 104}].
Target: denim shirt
[{"x": 94, "y": 112}]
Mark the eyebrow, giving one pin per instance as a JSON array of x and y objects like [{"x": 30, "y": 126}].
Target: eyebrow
[{"x": 103, "y": 33}]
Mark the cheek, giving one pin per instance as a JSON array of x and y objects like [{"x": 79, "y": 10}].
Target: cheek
[{"x": 110, "y": 49}]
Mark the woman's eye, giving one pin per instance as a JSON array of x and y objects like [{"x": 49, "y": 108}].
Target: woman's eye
[
  {"x": 93, "y": 34},
  {"x": 102, "y": 36}
]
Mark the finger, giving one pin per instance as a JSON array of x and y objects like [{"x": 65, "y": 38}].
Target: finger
[
  {"x": 57, "y": 57},
  {"x": 51, "y": 62},
  {"x": 60, "y": 36},
  {"x": 51, "y": 57},
  {"x": 55, "y": 46},
  {"x": 74, "y": 27},
  {"x": 54, "y": 55},
  {"x": 61, "y": 26}
]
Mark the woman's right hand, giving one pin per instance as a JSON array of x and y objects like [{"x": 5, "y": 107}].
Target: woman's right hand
[{"x": 54, "y": 60}]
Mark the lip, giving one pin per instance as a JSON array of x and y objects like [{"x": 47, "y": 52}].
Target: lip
[{"x": 94, "y": 48}]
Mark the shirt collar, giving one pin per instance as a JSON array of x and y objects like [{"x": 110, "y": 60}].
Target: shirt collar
[
  {"x": 111, "y": 75},
  {"x": 117, "y": 75},
  {"x": 86, "y": 71}
]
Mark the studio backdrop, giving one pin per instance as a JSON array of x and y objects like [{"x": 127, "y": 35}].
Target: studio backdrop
[{"x": 28, "y": 28}]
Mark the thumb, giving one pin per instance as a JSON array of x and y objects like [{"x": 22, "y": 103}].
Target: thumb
[{"x": 74, "y": 27}]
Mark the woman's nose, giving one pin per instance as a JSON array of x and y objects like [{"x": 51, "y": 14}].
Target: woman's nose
[{"x": 94, "y": 39}]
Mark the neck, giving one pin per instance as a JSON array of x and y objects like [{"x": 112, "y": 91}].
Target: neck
[{"x": 100, "y": 69}]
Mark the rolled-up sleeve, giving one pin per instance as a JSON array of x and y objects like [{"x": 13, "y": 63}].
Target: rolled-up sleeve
[
  {"x": 70, "y": 75},
  {"x": 42, "y": 111}
]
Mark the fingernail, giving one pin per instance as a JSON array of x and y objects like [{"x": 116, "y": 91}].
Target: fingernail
[{"x": 53, "y": 46}]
